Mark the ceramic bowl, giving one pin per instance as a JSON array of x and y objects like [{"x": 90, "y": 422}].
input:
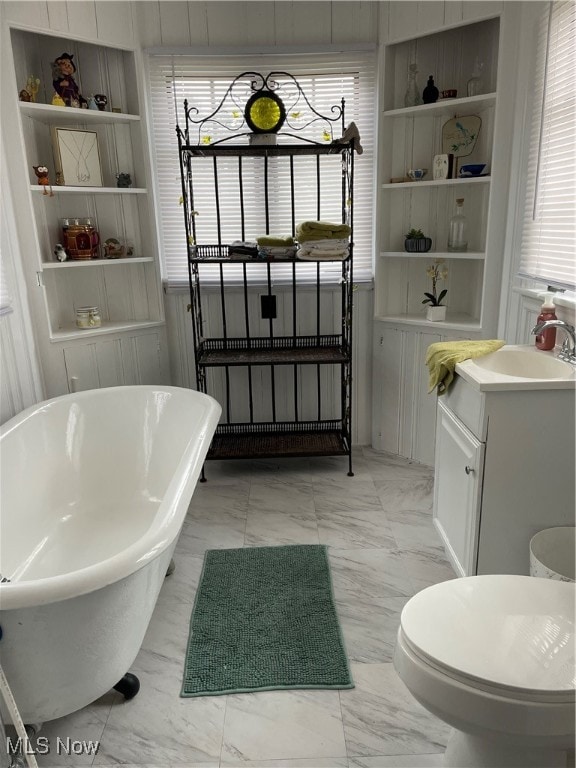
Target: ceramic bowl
[
  {"x": 472, "y": 169},
  {"x": 417, "y": 174}
]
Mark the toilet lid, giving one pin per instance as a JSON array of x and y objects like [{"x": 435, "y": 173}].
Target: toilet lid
[{"x": 509, "y": 631}]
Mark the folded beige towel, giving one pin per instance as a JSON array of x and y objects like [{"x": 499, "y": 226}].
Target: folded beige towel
[
  {"x": 441, "y": 359},
  {"x": 321, "y": 230}
]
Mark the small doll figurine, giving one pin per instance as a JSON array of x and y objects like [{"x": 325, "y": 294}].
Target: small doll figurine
[
  {"x": 42, "y": 173},
  {"x": 60, "y": 252},
  {"x": 64, "y": 84},
  {"x": 101, "y": 101}
]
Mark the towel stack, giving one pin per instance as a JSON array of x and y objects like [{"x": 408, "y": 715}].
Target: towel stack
[
  {"x": 323, "y": 240},
  {"x": 243, "y": 249},
  {"x": 276, "y": 247}
]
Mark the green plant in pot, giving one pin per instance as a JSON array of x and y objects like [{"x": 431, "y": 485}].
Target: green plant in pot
[
  {"x": 417, "y": 242},
  {"x": 436, "y": 310}
]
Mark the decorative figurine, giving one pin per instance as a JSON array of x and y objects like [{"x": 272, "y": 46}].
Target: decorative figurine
[
  {"x": 42, "y": 173},
  {"x": 32, "y": 86},
  {"x": 123, "y": 180},
  {"x": 65, "y": 86},
  {"x": 92, "y": 103},
  {"x": 24, "y": 95},
  {"x": 57, "y": 100},
  {"x": 101, "y": 101},
  {"x": 59, "y": 252},
  {"x": 113, "y": 249}
]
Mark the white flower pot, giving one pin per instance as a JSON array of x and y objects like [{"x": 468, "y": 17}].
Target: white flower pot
[{"x": 436, "y": 314}]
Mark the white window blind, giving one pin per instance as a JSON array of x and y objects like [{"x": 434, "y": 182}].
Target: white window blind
[
  {"x": 549, "y": 233},
  {"x": 325, "y": 78}
]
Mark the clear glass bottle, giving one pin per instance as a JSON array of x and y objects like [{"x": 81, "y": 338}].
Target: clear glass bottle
[
  {"x": 475, "y": 86},
  {"x": 412, "y": 97},
  {"x": 458, "y": 229}
]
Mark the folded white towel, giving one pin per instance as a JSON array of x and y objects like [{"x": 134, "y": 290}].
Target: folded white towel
[
  {"x": 322, "y": 254},
  {"x": 340, "y": 244}
]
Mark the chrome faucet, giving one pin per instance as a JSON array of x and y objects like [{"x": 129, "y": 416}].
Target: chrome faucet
[{"x": 568, "y": 351}]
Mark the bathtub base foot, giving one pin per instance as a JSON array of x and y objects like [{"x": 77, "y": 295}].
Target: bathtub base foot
[
  {"x": 128, "y": 686},
  {"x": 171, "y": 568}
]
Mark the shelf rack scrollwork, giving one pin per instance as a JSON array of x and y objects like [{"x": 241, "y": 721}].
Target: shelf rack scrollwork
[{"x": 231, "y": 121}]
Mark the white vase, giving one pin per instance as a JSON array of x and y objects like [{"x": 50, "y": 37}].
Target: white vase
[{"x": 436, "y": 314}]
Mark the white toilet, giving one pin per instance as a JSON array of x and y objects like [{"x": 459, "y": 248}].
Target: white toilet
[{"x": 494, "y": 657}]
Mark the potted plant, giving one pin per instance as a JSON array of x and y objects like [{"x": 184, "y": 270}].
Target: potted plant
[
  {"x": 417, "y": 242},
  {"x": 436, "y": 311}
]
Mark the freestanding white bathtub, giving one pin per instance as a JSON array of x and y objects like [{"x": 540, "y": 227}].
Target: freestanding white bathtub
[{"x": 94, "y": 491}]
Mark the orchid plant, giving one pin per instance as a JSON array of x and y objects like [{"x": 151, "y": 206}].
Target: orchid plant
[{"x": 436, "y": 272}]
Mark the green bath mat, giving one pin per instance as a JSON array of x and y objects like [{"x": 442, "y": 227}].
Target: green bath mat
[{"x": 264, "y": 619}]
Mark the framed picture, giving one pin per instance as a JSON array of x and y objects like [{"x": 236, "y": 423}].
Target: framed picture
[{"x": 77, "y": 157}]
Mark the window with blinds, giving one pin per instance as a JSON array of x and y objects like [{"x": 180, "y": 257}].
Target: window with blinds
[
  {"x": 326, "y": 79},
  {"x": 549, "y": 234}
]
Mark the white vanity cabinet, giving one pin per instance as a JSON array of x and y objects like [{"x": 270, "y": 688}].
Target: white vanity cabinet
[{"x": 505, "y": 464}]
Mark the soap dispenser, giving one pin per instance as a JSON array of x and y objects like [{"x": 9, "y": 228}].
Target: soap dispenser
[{"x": 547, "y": 339}]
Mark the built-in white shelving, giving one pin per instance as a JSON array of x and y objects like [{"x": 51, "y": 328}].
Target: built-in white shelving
[
  {"x": 83, "y": 264},
  {"x": 129, "y": 345},
  {"x": 68, "y": 332},
  {"x": 474, "y": 255},
  {"x": 454, "y": 321},
  {"x": 64, "y": 190},
  {"x": 48, "y": 113},
  {"x": 400, "y": 185},
  {"x": 444, "y": 107}
]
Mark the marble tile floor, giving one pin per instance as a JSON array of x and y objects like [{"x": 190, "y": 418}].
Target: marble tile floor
[{"x": 383, "y": 548}]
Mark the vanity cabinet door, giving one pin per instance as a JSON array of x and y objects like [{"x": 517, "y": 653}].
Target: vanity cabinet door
[{"x": 458, "y": 490}]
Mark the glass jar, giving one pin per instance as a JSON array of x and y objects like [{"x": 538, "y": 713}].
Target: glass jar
[
  {"x": 458, "y": 229},
  {"x": 88, "y": 317}
]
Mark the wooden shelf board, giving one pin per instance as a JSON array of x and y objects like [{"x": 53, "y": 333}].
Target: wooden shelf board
[
  {"x": 470, "y": 255},
  {"x": 90, "y": 190},
  {"x": 50, "y": 114},
  {"x": 71, "y": 332},
  {"x": 444, "y": 106},
  {"x": 95, "y": 262},
  {"x": 438, "y": 182}
]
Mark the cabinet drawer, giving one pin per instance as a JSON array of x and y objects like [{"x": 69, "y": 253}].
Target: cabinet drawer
[{"x": 467, "y": 404}]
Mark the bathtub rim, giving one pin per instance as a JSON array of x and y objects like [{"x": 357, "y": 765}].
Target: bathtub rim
[{"x": 164, "y": 529}]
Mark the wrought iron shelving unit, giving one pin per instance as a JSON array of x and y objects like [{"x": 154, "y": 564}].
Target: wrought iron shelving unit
[{"x": 328, "y": 434}]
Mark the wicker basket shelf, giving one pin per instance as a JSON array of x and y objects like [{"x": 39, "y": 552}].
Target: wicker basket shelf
[
  {"x": 282, "y": 350},
  {"x": 261, "y": 441}
]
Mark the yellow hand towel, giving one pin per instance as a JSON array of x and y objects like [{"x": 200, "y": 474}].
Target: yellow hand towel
[{"x": 442, "y": 357}]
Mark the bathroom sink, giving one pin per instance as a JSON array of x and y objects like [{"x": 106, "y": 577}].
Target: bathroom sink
[
  {"x": 518, "y": 367},
  {"x": 527, "y": 364}
]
